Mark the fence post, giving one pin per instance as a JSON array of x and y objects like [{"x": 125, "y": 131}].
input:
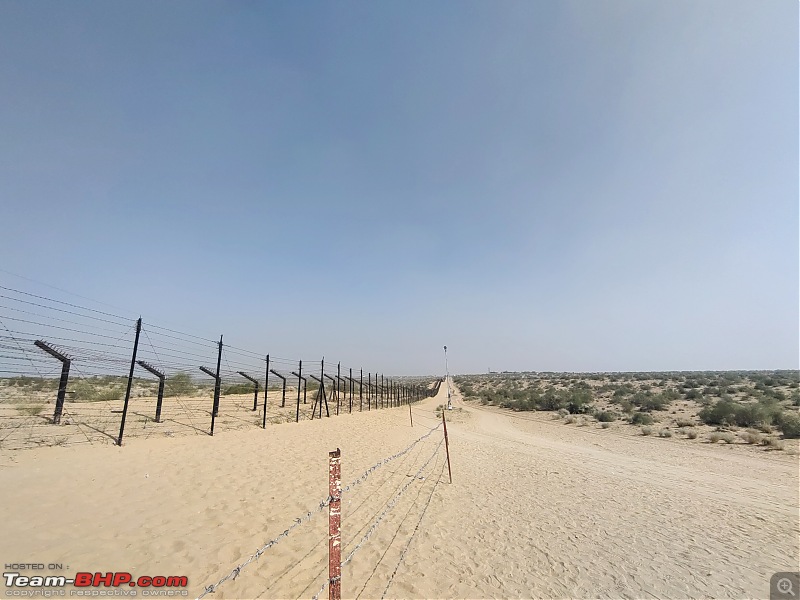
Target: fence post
[
  {"x": 213, "y": 375},
  {"x": 255, "y": 383},
  {"x": 160, "y": 376},
  {"x": 447, "y": 447},
  {"x": 410, "y": 416},
  {"x": 361, "y": 391},
  {"x": 283, "y": 389},
  {"x": 334, "y": 525},
  {"x": 266, "y": 393},
  {"x": 351, "y": 390},
  {"x": 217, "y": 385},
  {"x": 300, "y": 378},
  {"x": 299, "y": 375},
  {"x": 62, "y": 384},
  {"x": 130, "y": 381}
]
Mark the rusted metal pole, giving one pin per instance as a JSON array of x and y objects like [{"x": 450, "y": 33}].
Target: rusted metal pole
[
  {"x": 334, "y": 525},
  {"x": 447, "y": 447}
]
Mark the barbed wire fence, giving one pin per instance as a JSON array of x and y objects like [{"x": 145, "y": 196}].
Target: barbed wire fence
[
  {"x": 419, "y": 468},
  {"x": 72, "y": 374}
]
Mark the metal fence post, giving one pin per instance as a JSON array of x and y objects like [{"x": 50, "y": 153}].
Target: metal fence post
[
  {"x": 130, "y": 381},
  {"x": 266, "y": 393},
  {"x": 62, "y": 384},
  {"x": 447, "y": 448},
  {"x": 334, "y": 525},
  {"x": 160, "y": 376}
]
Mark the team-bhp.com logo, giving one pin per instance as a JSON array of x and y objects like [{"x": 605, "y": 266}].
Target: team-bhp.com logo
[{"x": 88, "y": 584}]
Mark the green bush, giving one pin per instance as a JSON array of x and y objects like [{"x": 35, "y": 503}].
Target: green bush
[
  {"x": 579, "y": 402},
  {"x": 179, "y": 384},
  {"x": 239, "y": 388},
  {"x": 606, "y": 416},
  {"x": 728, "y": 412},
  {"x": 790, "y": 425},
  {"x": 92, "y": 390},
  {"x": 552, "y": 400},
  {"x": 641, "y": 418},
  {"x": 648, "y": 401}
]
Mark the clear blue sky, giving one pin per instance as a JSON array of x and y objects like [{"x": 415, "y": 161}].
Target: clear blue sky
[{"x": 539, "y": 185}]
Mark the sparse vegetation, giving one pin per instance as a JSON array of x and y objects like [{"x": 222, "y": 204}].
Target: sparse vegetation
[
  {"x": 179, "y": 384},
  {"x": 688, "y": 405},
  {"x": 641, "y": 418}
]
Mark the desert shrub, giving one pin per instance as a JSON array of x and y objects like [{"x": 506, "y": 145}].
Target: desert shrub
[
  {"x": 579, "y": 402},
  {"x": 647, "y": 430},
  {"x": 790, "y": 425},
  {"x": 691, "y": 434},
  {"x": 720, "y": 413},
  {"x": 772, "y": 442},
  {"x": 641, "y": 418},
  {"x": 684, "y": 422},
  {"x": 563, "y": 412},
  {"x": 665, "y": 433},
  {"x": 31, "y": 409},
  {"x": 752, "y": 414},
  {"x": 569, "y": 420},
  {"x": 751, "y": 437},
  {"x": 606, "y": 416},
  {"x": 648, "y": 402},
  {"x": 552, "y": 400},
  {"x": 241, "y": 388},
  {"x": 87, "y": 390},
  {"x": 605, "y": 424},
  {"x": 725, "y": 436},
  {"x": 179, "y": 384}
]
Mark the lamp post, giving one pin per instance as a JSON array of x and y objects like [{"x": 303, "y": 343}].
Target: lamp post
[{"x": 447, "y": 380}]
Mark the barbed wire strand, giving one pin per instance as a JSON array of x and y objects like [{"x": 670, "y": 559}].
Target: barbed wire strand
[
  {"x": 414, "y": 533},
  {"x": 300, "y": 520},
  {"x": 380, "y": 518}
]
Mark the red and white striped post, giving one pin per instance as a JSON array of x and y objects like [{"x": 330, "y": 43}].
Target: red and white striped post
[{"x": 334, "y": 525}]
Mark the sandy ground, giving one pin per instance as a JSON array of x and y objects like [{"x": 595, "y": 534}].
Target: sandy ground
[{"x": 537, "y": 509}]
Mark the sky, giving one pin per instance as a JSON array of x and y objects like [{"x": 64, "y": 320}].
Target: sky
[{"x": 545, "y": 186}]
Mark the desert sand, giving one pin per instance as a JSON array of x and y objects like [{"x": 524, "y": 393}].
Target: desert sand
[{"x": 536, "y": 509}]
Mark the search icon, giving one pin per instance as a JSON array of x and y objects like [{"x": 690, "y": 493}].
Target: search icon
[{"x": 785, "y": 586}]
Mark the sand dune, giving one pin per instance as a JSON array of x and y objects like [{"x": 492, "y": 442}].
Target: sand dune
[{"x": 536, "y": 510}]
